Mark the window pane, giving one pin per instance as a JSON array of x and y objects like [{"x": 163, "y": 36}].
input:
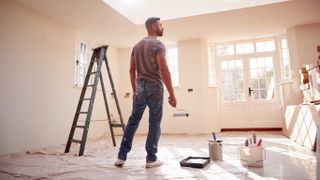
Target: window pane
[
  {"x": 225, "y": 50},
  {"x": 270, "y": 45},
  {"x": 173, "y": 64},
  {"x": 260, "y": 62},
  {"x": 232, "y": 80},
  {"x": 255, "y": 94},
  {"x": 263, "y": 94},
  {"x": 285, "y": 53},
  {"x": 285, "y": 69},
  {"x": 284, "y": 43},
  {"x": 263, "y": 46},
  {"x": 211, "y": 66},
  {"x": 262, "y": 78},
  {"x": 243, "y": 48}
]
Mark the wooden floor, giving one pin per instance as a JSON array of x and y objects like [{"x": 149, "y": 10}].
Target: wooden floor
[{"x": 284, "y": 160}]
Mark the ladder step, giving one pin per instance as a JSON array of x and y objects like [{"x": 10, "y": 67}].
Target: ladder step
[
  {"x": 75, "y": 140},
  {"x": 82, "y": 112},
  {"x": 93, "y": 61},
  {"x": 85, "y": 99},
  {"x": 90, "y": 85},
  {"x": 116, "y": 125},
  {"x": 92, "y": 72},
  {"x": 78, "y": 126}
]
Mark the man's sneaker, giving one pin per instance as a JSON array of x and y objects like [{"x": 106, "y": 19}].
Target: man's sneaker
[
  {"x": 119, "y": 162},
  {"x": 153, "y": 164}
]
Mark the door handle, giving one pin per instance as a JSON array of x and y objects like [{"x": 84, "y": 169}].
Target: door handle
[{"x": 250, "y": 90}]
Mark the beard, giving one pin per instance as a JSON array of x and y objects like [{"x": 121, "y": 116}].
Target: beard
[{"x": 160, "y": 32}]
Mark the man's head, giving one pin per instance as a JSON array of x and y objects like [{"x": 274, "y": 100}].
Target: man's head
[{"x": 154, "y": 26}]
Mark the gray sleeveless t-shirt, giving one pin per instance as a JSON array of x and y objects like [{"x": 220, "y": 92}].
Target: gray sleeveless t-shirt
[{"x": 145, "y": 55}]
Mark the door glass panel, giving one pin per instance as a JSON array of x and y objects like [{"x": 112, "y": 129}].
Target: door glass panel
[
  {"x": 262, "y": 78},
  {"x": 232, "y": 80}
]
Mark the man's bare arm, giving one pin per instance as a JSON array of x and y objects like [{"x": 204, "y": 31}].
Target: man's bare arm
[
  {"x": 132, "y": 72},
  {"x": 166, "y": 77}
]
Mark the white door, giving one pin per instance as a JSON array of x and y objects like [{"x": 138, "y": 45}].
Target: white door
[{"x": 249, "y": 95}]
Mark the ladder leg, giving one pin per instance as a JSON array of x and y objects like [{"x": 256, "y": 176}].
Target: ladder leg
[
  {"x": 114, "y": 92},
  {"x": 107, "y": 109},
  {"x": 93, "y": 94}
]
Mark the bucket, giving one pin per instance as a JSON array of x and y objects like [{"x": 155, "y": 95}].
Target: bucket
[
  {"x": 215, "y": 150},
  {"x": 252, "y": 155}
]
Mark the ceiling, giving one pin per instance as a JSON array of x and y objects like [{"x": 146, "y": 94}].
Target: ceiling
[
  {"x": 98, "y": 21},
  {"x": 138, "y": 11}
]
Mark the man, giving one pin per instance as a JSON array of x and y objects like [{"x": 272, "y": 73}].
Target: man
[{"x": 148, "y": 59}]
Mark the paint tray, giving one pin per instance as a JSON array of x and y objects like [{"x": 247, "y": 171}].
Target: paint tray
[{"x": 195, "y": 162}]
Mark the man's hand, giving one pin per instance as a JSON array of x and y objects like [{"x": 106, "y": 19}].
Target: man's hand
[{"x": 172, "y": 101}]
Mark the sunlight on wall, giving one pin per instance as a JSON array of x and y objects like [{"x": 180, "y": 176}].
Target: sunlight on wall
[{"x": 301, "y": 124}]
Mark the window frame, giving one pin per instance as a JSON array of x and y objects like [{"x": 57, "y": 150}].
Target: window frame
[
  {"x": 283, "y": 78},
  {"x": 80, "y": 78},
  {"x": 212, "y": 77},
  {"x": 174, "y": 66}
]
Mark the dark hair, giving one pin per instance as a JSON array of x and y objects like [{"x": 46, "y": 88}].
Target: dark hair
[{"x": 150, "y": 21}]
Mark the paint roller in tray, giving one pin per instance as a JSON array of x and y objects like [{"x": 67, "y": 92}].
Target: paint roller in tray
[{"x": 180, "y": 113}]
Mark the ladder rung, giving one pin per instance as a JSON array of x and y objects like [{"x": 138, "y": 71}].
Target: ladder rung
[
  {"x": 116, "y": 125},
  {"x": 93, "y": 61},
  {"x": 90, "y": 85},
  {"x": 82, "y": 112},
  {"x": 77, "y": 126},
  {"x": 75, "y": 140},
  {"x": 93, "y": 72},
  {"x": 85, "y": 99},
  {"x": 96, "y": 60}
]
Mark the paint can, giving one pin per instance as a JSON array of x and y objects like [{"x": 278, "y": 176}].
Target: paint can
[
  {"x": 215, "y": 150},
  {"x": 252, "y": 155}
]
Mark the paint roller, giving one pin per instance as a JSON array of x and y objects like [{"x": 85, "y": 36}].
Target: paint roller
[{"x": 180, "y": 113}]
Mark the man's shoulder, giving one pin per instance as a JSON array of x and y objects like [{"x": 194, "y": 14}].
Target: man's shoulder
[{"x": 150, "y": 41}]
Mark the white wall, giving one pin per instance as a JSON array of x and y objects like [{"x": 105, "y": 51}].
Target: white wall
[
  {"x": 38, "y": 100},
  {"x": 303, "y": 41}
]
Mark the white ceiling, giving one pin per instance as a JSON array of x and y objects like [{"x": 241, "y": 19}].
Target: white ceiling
[
  {"x": 138, "y": 11},
  {"x": 100, "y": 22}
]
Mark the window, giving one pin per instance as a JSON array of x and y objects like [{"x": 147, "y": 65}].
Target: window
[
  {"x": 262, "y": 78},
  {"x": 82, "y": 63},
  {"x": 253, "y": 59},
  {"x": 264, "y": 46},
  {"x": 211, "y": 67},
  {"x": 232, "y": 80},
  {"x": 223, "y": 50},
  {"x": 285, "y": 60},
  {"x": 172, "y": 59},
  {"x": 244, "y": 48}
]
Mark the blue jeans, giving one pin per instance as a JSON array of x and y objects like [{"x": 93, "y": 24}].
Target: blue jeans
[{"x": 148, "y": 93}]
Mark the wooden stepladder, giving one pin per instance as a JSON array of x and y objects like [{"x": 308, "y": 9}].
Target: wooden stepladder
[{"x": 98, "y": 58}]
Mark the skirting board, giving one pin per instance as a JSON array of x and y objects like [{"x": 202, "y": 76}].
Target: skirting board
[{"x": 251, "y": 129}]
